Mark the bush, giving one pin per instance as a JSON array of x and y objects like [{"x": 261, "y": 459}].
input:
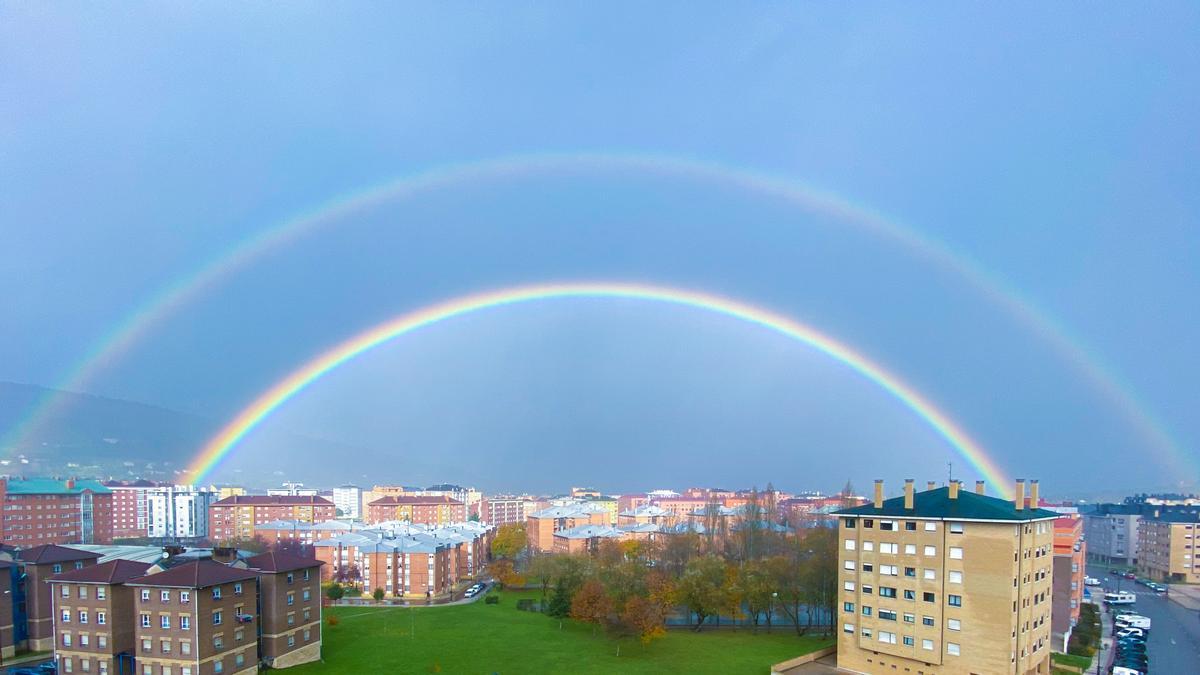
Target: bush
[
  {"x": 378, "y": 595},
  {"x": 492, "y": 600},
  {"x": 334, "y": 620}
]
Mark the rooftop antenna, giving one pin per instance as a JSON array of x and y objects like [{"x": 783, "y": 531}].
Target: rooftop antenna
[{"x": 950, "y": 472}]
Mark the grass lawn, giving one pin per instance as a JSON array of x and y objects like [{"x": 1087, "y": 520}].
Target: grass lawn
[{"x": 486, "y": 639}]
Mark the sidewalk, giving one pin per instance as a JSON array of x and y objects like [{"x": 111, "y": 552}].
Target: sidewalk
[
  {"x": 1104, "y": 656},
  {"x": 1186, "y": 595}
]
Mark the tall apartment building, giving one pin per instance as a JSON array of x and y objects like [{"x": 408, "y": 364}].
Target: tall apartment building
[
  {"x": 348, "y": 500},
  {"x": 945, "y": 582},
  {"x": 49, "y": 511},
  {"x": 1167, "y": 546},
  {"x": 501, "y": 510},
  {"x": 178, "y": 511},
  {"x": 439, "y": 510},
  {"x": 130, "y": 512},
  {"x": 1070, "y": 561},
  {"x": 238, "y": 517}
]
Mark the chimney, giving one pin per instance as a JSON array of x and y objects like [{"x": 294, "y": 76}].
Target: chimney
[
  {"x": 978, "y": 487},
  {"x": 1019, "y": 501},
  {"x": 70, "y": 483},
  {"x": 953, "y": 489},
  {"x": 929, "y": 485},
  {"x": 879, "y": 493},
  {"x": 224, "y": 554},
  {"x": 908, "y": 494},
  {"x": 1033, "y": 494}
]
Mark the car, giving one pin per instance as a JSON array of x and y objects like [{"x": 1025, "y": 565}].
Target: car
[
  {"x": 1091, "y": 581},
  {"x": 1130, "y": 575}
]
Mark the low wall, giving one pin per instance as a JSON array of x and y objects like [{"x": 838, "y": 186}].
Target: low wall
[{"x": 780, "y": 668}]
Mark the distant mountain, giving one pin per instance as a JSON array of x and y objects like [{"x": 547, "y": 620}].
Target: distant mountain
[{"x": 102, "y": 437}]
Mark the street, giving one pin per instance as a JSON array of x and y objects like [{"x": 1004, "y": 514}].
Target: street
[{"x": 1174, "y": 642}]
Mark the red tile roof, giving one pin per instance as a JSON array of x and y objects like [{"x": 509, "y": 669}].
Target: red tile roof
[
  {"x": 196, "y": 574},
  {"x": 53, "y": 553},
  {"x": 111, "y": 572},
  {"x": 278, "y": 561},
  {"x": 273, "y": 500}
]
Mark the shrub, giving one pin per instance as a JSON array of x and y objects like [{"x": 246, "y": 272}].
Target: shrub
[
  {"x": 334, "y": 620},
  {"x": 378, "y": 595}
]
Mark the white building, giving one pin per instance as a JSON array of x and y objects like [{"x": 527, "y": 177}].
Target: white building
[
  {"x": 348, "y": 500},
  {"x": 292, "y": 490},
  {"x": 178, "y": 511}
]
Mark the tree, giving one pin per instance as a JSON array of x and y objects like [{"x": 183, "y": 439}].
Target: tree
[
  {"x": 560, "y": 603},
  {"x": 757, "y": 590},
  {"x": 542, "y": 569},
  {"x": 335, "y": 591},
  {"x": 591, "y": 604},
  {"x": 509, "y": 541},
  {"x": 678, "y": 550},
  {"x": 645, "y": 618},
  {"x": 731, "y": 594},
  {"x": 701, "y": 586},
  {"x": 506, "y": 574},
  {"x": 377, "y": 594},
  {"x": 788, "y": 578}
]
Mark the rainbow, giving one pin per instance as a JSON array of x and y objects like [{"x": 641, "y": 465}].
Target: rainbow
[
  {"x": 282, "y": 391},
  {"x": 157, "y": 308}
]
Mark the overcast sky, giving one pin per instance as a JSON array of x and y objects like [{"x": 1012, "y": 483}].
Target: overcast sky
[{"x": 1057, "y": 147}]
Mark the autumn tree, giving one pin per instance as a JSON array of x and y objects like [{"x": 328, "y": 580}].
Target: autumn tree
[
  {"x": 591, "y": 604},
  {"x": 542, "y": 569},
  {"x": 509, "y": 541},
  {"x": 757, "y": 590},
  {"x": 647, "y": 619},
  {"x": 700, "y": 587},
  {"x": 505, "y": 573}
]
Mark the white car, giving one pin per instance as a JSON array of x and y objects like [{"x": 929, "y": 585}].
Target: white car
[
  {"x": 1091, "y": 581},
  {"x": 1131, "y": 632}
]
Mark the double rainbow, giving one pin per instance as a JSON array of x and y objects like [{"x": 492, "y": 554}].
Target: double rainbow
[{"x": 269, "y": 401}]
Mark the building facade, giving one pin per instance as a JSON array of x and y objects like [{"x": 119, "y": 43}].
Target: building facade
[
  {"x": 1112, "y": 533},
  {"x": 540, "y": 526},
  {"x": 238, "y": 517},
  {"x": 93, "y": 617},
  {"x": 41, "y": 511},
  {"x": 1070, "y": 561},
  {"x": 38, "y": 565},
  {"x": 130, "y": 512},
  {"x": 1166, "y": 546},
  {"x": 348, "y": 501},
  {"x": 178, "y": 511},
  {"x": 424, "y": 510},
  {"x": 502, "y": 510},
  {"x": 945, "y": 581},
  {"x": 290, "y": 597}
]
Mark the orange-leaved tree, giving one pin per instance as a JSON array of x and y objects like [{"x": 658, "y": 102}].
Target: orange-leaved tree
[{"x": 591, "y": 604}]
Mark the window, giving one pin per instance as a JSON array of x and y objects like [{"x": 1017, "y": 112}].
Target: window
[
  {"x": 927, "y": 621},
  {"x": 147, "y": 646},
  {"x": 218, "y": 642},
  {"x": 164, "y": 621},
  {"x": 956, "y": 553},
  {"x": 910, "y": 595},
  {"x": 849, "y": 586},
  {"x": 291, "y": 577},
  {"x": 847, "y": 606},
  {"x": 307, "y": 575},
  {"x": 887, "y": 592},
  {"x": 291, "y": 598},
  {"x": 886, "y": 547},
  {"x": 185, "y": 647},
  {"x": 868, "y": 546},
  {"x": 145, "y": 595},
  {"x": 887, "y": 615},
  {"x": 164, "y": 596},
  {"x": 218, "y": 667},
  {"x": 849, "y": 564},
  {"x": 291, "y": 640},
  {"x": 909, "y": 618},
  {"x": 910, "y": 572},
  {"x": 83, "y": 592},
  {"x": 68, "y": 663},
  {"x": 927, "y": 644},
  {"x": 930, "y": 526},
  {"x": 239, "y": 659},
  {"x": 930, "y": 575},
  {"x": 101, "y": 592},
  {"x": 101, "y": 618},
  {"x": 217, "y": 618},
  {"x": 867, "y": 589},
  {"x": 185, "y": 622},
  {"x": 910, "y": 526},
  {"x": 185, "y": 597},
  {"x": 889, "y": 570},
  {"x": 147, "y": 670},
  {"x": 307, "y": 632},
  {"x": 165, "y": 646},
  {"x": 954, "y": 600},
  {"x": 102, "y": 641},
  {"x": 238, "y": 635},
  {"x": 83, "y": 616},
  {"x": 848, "y": 628},
  {"x": 952, "y": 649},
  {"x": 956, "y": 528},
  {"x": 953, "y": 624},
  {"x": 866, "y": 611},
  {"x": 66, "y": 616},
  {"x": 910, "y": 549},
  {"x": 848, "y": 523},
  {"x": 65, "y": 591},
  {"x": 850, "y": 544},
  {"x": 867, "y": 522},
  {"x": 868, "y": 567},
  {"x": 866, "y": 632},
  {"x": 908, "y": 641},
  {"x": 305, "y": 594},
  {"x": 66, "y": 639},
  {"x": 928, "y": 597},
  {"x": 887, "y": 637},
  {"x": 930, "y": 550},
  {"x": 216, "y": 592},
  {"x": 955, "y": 577},
  {"x": 237, "y": 588},
  {"x": 57, "y": 569},
  {"x": 887, "y": 525},
  {"x": 185, "y": 670}
]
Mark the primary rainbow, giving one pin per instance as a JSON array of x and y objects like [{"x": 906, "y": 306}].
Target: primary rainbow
[{"x": 269, "y": 401}]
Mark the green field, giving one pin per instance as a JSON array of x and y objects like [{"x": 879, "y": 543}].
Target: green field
[{"x": 485, "y": 639}]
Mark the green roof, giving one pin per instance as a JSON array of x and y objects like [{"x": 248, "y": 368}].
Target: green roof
[
  {"x": 52, "y": 486},
  {"x": 936, "y": 503}
]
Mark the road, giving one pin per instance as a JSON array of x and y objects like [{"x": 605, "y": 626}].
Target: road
[{"x": 1174, "y": 642}]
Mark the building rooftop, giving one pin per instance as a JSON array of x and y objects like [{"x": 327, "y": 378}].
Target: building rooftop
[
  {"x": 936, "y": 503},
  {"x": 111, "y": 572},
  {"x": 195, "y": 574},
  {"x": 569, "y": 511},
  {"x": 278, "y": 561},
  {"x": 394, "y": 500},
  {"x": 53, "y": 553},
  {"x": 1174, "y": 516},
  {"x": 589, "y": 532},
  {"x": 53, "y": 486},
  {"x": 273, "y": 500}
]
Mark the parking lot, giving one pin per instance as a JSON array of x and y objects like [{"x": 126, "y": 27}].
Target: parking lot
[{"x": 1174, "y": 641}]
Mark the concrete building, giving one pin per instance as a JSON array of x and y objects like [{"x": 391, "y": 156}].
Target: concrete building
[
  {"x": 292, "y": 490},
  {"x": 945, "y": 582},
  {"x": 130, "y": 512},
  {"x": 93, "y": 617},
  {"x": 1070, "y": 560},
  {"x": 238, "y": 517},
  {"x": 1112, "y": 533},
  {"x": 348, "y": 501},
  {"x": 289, "y": 589},
  {"x": 49, "y": 511},
  {"x": 424, "y": 510},
  {"x": 1166, "y": 546},
  {"x": 540, "y": 526},
  {"x": 178, "y": 511}
]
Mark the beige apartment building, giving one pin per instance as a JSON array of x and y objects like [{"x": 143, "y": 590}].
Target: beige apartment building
[
  {"x": 1166, "y": 546},
  {"x": 946, "y": 582}
]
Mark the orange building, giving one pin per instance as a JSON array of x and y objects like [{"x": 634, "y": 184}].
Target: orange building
[
  {"x": 1070, "y": 554},
  {"x": 430, "y": 510},
  {"x": 540, "y": 526},
  {"x": 239, "y": 517}
]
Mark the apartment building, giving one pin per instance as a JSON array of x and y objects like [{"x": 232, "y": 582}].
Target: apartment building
[
  {"x": 38, "y": 565},
  {"x": 644, "y": 514},
  {"x": 290, "y": 597},
  {"x": 1167, "y": 546},
  {"x": 93, "y": 617},
  {"x": 540, "y": 526},
  {"x": 41, "y": 511},
  {"x": 289, "y": 489},
  {"x": 945, "y": 582},
  {"x": 9, "y": 582},
  {"x": 238, "y": 517},
  {"x": 501, "y": 510},
  {"x": 348, "y": 501},
  {"x": 1070, "y": 561},
  {"x": 129, "y": 510},
  {"x": 1111, "y": 531},
  {"x": 424, "y": 510},
  {"x": 279, "y": 532},
  {"x": 197, "y": 618},
  {"x": 178, "y": 511}
]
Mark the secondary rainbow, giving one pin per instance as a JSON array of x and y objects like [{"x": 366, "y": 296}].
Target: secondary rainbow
[
  {"x": 155, "y": 309},
  {"x": 281, "y": 392}
]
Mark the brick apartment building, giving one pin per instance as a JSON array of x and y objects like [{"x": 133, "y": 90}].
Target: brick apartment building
[
  {"x": 8, "y": 629},
  {"x": 294, "y": 531},
  {"x": 129, "y": 512},
  {"x": 1070, "y": 560},
  {"x": 38, "y": 565},
  {"x": 290, "y": 597},
  {"x": 424, "y": 510},
  {"x": 49, "y": 511},
  {"x": 945, "y": 581},
  {"x": 502, "y": 510},
  {"x": 540, "y": 526},
  {"x": 238, "y": 517},
  {"x": 93, "y": 617}
]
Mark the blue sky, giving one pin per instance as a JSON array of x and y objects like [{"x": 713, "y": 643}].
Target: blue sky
[{"x": 1056, "y": 146}]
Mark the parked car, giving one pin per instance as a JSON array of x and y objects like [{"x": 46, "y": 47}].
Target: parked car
[{"x": 1126, "y": 632}]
